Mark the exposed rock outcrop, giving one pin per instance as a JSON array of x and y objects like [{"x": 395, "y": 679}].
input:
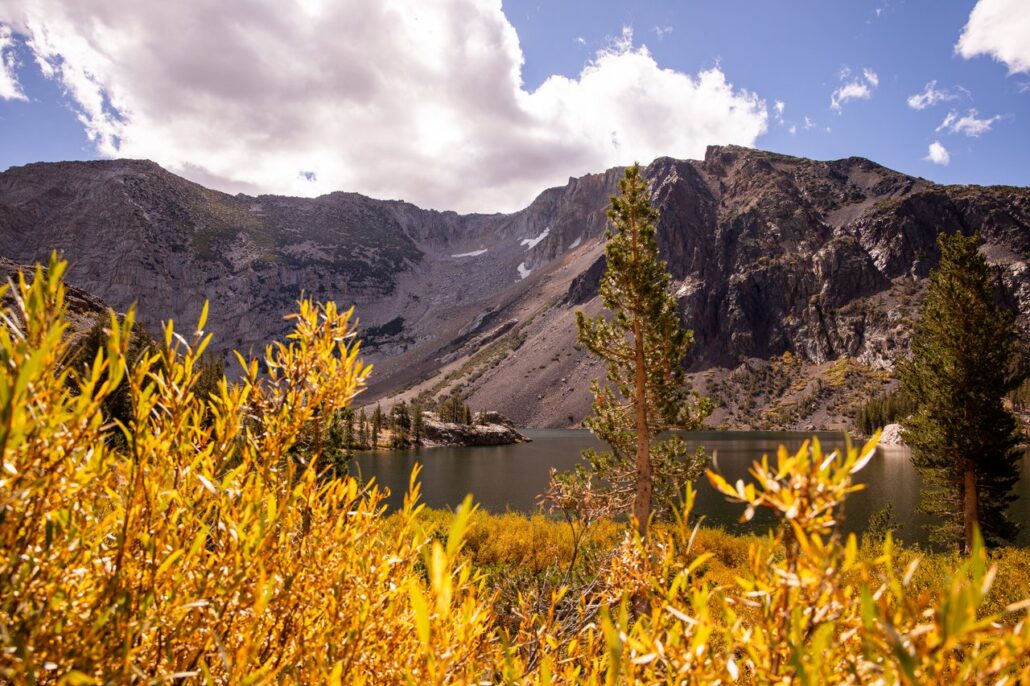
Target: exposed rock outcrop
[
  {"x": 488, "y": 428},
  {"x": 891, "y": 436},
  {"x": 84, "y": 309}
]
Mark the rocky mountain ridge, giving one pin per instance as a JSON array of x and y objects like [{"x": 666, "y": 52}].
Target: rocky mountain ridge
[{"x": 800, "y": 278}]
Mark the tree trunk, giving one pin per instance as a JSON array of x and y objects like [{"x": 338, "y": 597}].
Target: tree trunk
[
  {"x": 642, "y": 504},
  {"x": 970, "y": 508}
]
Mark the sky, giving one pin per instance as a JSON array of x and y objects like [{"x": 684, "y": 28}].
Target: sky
[{"x": 478, "y": 105}]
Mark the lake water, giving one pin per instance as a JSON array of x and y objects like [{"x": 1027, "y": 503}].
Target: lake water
[{"x": 511, "y": 478}]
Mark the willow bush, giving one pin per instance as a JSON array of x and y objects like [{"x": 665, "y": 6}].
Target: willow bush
[{"x": 206, "y": 548}]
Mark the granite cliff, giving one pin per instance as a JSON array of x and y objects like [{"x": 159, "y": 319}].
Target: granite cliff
[{"x": 800, "y": 278}]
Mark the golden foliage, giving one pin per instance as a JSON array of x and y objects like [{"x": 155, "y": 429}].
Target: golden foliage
[
  {"x": 205, "y": 549},
  {"x": 810, "y": 609}
]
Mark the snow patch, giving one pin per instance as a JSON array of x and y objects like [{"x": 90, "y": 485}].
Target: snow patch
[
  {"x": 575, "y": 243},
  {"x": 523, "y": 272},
  {"x": 474, "y": 253},
  {"x": 530, "y": 243}
]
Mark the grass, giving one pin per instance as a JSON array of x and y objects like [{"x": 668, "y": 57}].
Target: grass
[{"x": 536, "y": 546}]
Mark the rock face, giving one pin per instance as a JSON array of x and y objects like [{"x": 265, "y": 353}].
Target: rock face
[
  {"x": 489, "y": 428},
  {"x": 787, "y": 269},
  {"x": 891, "y": 436},
  {"x": 84, "y": 308}
]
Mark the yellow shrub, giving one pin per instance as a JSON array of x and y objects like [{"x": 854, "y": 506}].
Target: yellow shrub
[
  {"x": 205, "y": 547},
  {"x": 808, "y": 609}
]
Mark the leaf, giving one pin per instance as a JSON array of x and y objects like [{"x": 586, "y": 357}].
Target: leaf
[{"x": 421, "y": 609}]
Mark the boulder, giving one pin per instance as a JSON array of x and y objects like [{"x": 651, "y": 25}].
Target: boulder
[{"x": 891, "y": 436}]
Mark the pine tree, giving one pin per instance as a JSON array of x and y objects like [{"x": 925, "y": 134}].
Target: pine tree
[
  {"x": 467, "y": 415},
  {"x": 962, "y": 438},
  {"x": 377, "y": 425},
  {"x": 416, "y": 423},
  {"x": 452, "y": 408},
  {"x": 363, "y": 428},
  {"x": 401, "y": 423},
  {"x": 643, "y": 345},
  {"x": 348, "y": 433}
]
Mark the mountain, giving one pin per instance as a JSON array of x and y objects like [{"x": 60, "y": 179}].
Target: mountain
[{"x": 800, "y": 278}]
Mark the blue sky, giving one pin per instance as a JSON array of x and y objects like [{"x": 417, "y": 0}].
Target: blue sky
[
  {"x": 269, "y": 100},
  {"x": 794, "y": 52}
]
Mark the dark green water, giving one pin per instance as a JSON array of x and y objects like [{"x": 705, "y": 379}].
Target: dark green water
[{"x": 512, "y": 477}]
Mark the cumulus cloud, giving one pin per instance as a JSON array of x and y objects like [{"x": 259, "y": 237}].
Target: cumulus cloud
[
  {"x": 969, "y": 124},
  {"x": 931, "y": 95},
  {"x": 938, "y": 154},
  {"x": 854, "y": 88},
  {"x": 999, "y": 28},
  {"x": 419, "y": 101},
  {"x": 10, "y": 89}
]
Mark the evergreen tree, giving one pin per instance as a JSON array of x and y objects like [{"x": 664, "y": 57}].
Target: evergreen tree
[
  {"x": 880, "y": 411},
  {"x": 416, "y": 423},
  {"x": 963, "y": 440},
  {"x": 452, "y": 408},
  {"x": 348, "y": 433},
  {"x": 643, "y": 345},
  {"x": 377, "y": 425},
  {"x": 363, "y": 429},
  {"x": 401, "y": 422},
  {"x": 467, "y": 415}
]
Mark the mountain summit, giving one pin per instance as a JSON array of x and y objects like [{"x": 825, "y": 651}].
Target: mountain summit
[{"x": 786, "y": 269}]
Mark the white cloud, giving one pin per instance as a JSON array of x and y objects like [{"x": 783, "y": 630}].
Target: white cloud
[
  {"x": 809, "y": 124},
  {"x": 793, "y": 129},
  {"x": 581, "y": 40},
  {"x": 938, "y": 154},
  {"x": 1001, "y": 29},
  {"x": 778, "y": 107},
  {"x": 662, "y": 31},
  {"x": 969, "y": 124},
  {"x": 931, "y": 95},
  {"x": 849, "y": 91},
  {"x": 421, "y": 101},
  {"x": 854, "y": 88},
  {"x": 10, "y": 89}
]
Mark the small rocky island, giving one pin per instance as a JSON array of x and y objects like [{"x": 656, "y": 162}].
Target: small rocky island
[
  {"x": 487, "y": 428},
  {"x": 405, "y": 425}
]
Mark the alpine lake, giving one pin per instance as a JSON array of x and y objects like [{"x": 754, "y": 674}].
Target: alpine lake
[{"x": 512, "y": 477}]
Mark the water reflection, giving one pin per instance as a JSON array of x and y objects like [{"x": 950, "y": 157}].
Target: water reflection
[{"x": 511, "y": 477}]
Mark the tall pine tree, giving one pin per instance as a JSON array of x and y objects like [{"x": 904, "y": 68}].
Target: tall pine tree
[
  {"x": 417, "y": 422},
  {"x": 377, "y": 425},
  {"x": 643, "y": 345},
  {"x": 963, "y": 362}
]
